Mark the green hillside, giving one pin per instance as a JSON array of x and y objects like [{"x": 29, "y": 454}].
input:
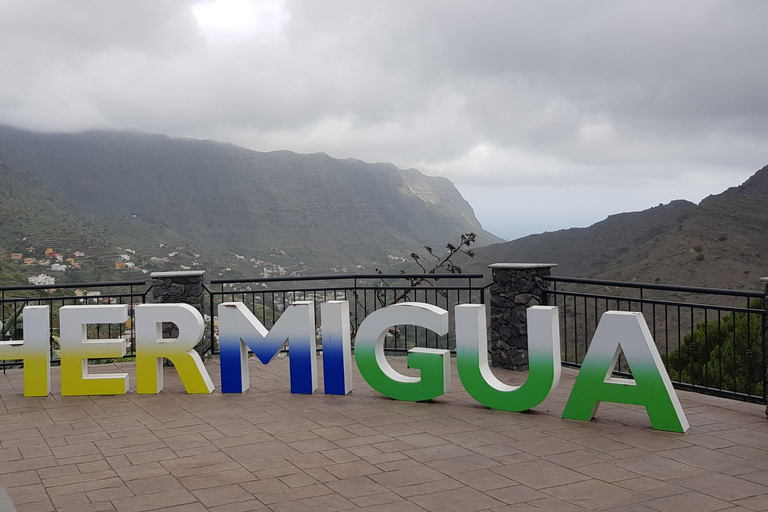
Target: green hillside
[
  {"x": 34, "y": 218},
  {"x": 282, "y": 206}
]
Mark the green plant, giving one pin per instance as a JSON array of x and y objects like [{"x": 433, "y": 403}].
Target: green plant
[
  {"x": 12, "y": 328},
  {"x": 699, "y": 257},
  {"x": 698, "y": 248},
  {"x": 724, "y": 353},
  {"x": 722, "y": 238}
]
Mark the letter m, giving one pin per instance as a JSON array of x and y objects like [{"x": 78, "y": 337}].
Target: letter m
[{"x": 240, "y": 330}]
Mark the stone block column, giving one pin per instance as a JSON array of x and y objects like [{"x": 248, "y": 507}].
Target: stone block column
[
  {"x": 180, "y": 287},
  {"x": 516, "y": 287}
]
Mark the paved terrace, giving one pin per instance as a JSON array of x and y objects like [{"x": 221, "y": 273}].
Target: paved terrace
[{"x": 270, "y": 450}]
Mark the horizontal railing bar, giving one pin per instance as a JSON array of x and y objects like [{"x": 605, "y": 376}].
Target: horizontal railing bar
[
  {"x": 346, "y": 288},
  {"x": 348, "y": 276},
  {"x": 650, "y": 286},
  {"x": 73, "y": 285},
  {"x": 72, "y": 297},
  {"x": 656, "y": 302}
]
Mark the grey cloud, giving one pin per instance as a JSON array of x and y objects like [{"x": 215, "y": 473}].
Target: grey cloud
[{"x": 488, "y": 93}]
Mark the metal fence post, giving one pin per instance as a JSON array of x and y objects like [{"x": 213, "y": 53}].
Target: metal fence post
[
  {"x": 516, "y": 287},
  {"x": 764, "y": 280}
]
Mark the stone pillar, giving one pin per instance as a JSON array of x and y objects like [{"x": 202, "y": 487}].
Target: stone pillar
[
  {"x": 180, "y": 287},
  {"x": 516, "y": 287},
  {"x": 764, "y": 280}
]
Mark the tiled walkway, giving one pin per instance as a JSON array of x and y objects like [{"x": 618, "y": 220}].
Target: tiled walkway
[{"x": 270, "y": 450}]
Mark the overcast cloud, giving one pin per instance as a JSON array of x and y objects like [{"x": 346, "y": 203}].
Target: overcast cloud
[{"x": 545, "y": 115}]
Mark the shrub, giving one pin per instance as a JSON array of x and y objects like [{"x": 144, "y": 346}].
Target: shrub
[
  {"x": 723, "y": 353},
  {"x": 699, "y": 257}
]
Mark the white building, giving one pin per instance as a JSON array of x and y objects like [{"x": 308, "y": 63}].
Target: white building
[{"x": 42, "y": 279}]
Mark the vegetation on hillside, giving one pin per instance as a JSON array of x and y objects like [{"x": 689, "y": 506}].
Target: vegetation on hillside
[
  {"x": 723, "y": 353},
  {"x": 280, "y": 207}
]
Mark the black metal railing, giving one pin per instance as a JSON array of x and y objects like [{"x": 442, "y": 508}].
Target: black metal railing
[
  {"x": 267, "y": 298},
  {"x": 13, "y": 300},
  {"x": 711, "y": 340}
]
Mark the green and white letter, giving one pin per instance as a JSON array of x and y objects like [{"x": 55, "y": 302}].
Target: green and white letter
[{"x": 651, "y": 386}]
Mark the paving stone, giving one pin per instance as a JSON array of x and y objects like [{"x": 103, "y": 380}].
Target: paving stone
[
  {"x": 539, "y": 474},
  {"x": 688, "y": 501},
  {"x": 446, "y": 484},
  {"x": 464, "y": 499},
  {"x": 484, "y": 480},
  {"x": 222, "y": 495},
  {"x": 724, "y": 487},
  {"x": 515, "y": 494},
  {"x": 356, "y": 487},
  {"x": 270, "y": 450},
  {"x": 589, "y": 494},
  {"x": 154, "y": 501},
  {"x": 408, "y": 476}
]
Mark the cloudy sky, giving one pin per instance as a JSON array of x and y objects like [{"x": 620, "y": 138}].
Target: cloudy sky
[{"x": 545, "y": 115}]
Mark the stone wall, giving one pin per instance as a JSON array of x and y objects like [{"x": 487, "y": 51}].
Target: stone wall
[
  {"x": 516, "y": 287},
  {"x": 180, "y": 287}
]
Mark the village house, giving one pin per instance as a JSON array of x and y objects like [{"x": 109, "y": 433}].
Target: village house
[
  {"x": 16, "y": 256},
  {"x": 42, "y": 279}
]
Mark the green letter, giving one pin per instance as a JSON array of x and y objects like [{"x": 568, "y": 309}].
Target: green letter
[
  {"x": 435, "y": 365},
  {"x": 650, "y": 388},
  {"x": 543, "y": 358}
]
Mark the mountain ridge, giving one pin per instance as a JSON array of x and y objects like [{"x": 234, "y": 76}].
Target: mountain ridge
[
  {"x": 716, "y": 243},
  {"x": 314, "y": 208}
]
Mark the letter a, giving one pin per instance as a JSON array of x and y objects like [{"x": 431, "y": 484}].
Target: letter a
[
  {"x": 651, "y": 386},
  {"x": 543, "y": 357}
]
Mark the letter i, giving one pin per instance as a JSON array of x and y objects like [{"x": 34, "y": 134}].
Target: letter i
[{"x": 337, "y": 347}]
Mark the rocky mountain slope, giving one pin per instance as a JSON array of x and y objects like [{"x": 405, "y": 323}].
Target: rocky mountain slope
[
  {"x": 34, "y": 218},
  {"x": 718, "y": 243},
  {"x": 324, "y": 211}
]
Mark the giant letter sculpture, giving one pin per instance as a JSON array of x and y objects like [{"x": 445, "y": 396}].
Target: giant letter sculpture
[
  {"x": 651, "y": 386},
  {"x": 77, "y": 348},
  {"x": 337, "y": 347},
  {"x": 35, "y": 350},
  {"x": 434, "y": 364},
  {"x": 543, "y": 357},
  {"x": 151, "y": 347},
  {"x": 240, "y": 330}
]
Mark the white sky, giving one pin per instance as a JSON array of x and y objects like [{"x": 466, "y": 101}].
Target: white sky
[{"x": 545, "y": 115}]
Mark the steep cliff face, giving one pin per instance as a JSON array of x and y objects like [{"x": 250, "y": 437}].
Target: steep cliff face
[{"x": 227, "y": 198}]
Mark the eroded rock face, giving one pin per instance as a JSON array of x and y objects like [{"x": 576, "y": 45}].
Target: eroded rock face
[{"x": 513, "y": 291}]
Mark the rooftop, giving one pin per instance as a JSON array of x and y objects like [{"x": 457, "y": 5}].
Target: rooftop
[{"x": 270, "y": 450}]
